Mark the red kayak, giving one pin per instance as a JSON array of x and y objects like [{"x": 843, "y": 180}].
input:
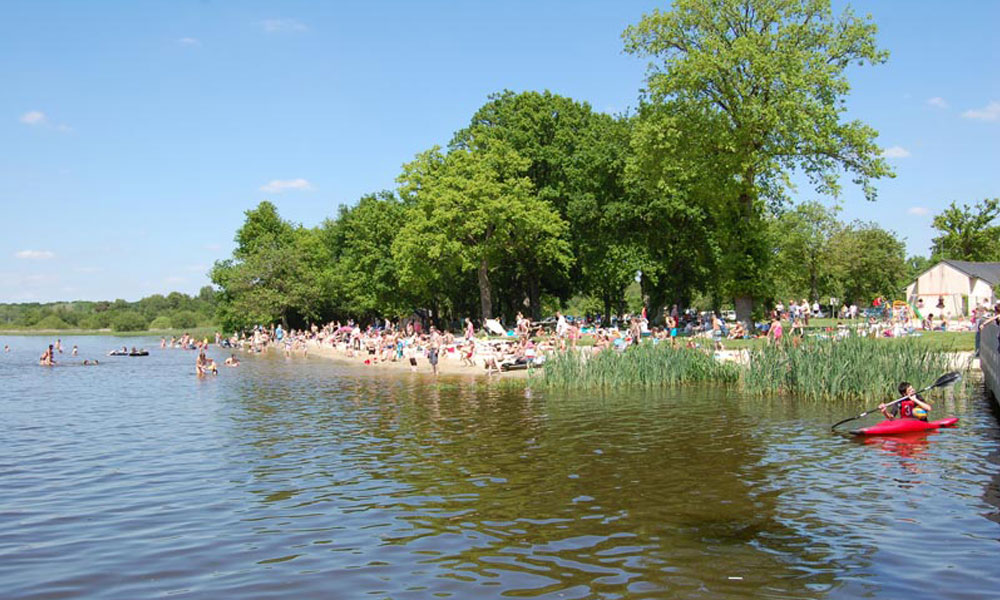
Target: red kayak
[{"x": 897, "y": 426}]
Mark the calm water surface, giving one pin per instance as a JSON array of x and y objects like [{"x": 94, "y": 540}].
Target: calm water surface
[{"x": 303, "y": 479}]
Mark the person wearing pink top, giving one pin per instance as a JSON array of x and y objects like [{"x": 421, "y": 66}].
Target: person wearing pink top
[{"x": 775, "y": 331}]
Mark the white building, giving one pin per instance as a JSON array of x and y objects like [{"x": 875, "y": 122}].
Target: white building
[{"x": 954, "y": 288}]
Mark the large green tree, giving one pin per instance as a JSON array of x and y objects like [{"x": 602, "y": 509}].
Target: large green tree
[
  {"x": 474, "y": 209},
  {"x": 867, "y": 261},
  {"x": 801, "y": 266},
  {"x": 606, "y": 225},
  {"x": 279, "y": 272},
  {"x": 753, "y": 91},
  {"x": 549, "y": 132},
  {"x": 364, "y": 274},
  {"x": 968, "y": 233}
]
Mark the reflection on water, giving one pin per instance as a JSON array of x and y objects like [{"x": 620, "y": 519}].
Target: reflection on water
[{"x": 302, "y": 479}]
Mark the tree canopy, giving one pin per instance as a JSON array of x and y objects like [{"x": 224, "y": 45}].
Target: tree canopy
[
  {"x": 743, "y": 94},
  {"x": 968, "y": 233}
]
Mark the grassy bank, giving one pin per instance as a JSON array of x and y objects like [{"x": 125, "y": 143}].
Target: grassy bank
[{"x": 816, "y": 369}]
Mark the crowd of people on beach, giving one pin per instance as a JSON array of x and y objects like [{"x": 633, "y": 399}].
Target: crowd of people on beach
[
  {"x": 405, "y": 343},
  {"x": 526, "y": 344}
]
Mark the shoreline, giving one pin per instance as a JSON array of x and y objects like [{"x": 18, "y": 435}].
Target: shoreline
[{"x": 448, "y": 364}]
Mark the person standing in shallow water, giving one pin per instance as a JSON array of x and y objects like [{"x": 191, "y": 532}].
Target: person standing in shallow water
[
  {"x": 433, "y": 349},
  {"x": 48, "y": 357}
]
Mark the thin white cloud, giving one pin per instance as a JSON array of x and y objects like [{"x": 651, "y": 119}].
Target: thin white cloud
[
  {"x": 937, "y": 102},
  {"x": 277, "y": 186},
  {"x": 283, "y": 26},
  {"x": 34, "y": 117},
  {"x": 87, "y": 270},
  {"x": 918, "y": 211},
  {"x": 35, "y": 254},
  {"x": 189, "y": 41},
  {"x": 991, "y": 112},
  {"x": 896, "y": 152}
]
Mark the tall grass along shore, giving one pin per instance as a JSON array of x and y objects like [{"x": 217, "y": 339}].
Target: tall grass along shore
[
  {"x": 815, "y": 369},
  {"x": 643, "y": 365}
]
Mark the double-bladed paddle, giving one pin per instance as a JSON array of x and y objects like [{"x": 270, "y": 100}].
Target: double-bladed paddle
[{"x": 942, "y": 381}]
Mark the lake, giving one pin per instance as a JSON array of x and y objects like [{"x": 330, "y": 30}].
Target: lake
[{"x": 302, "y": 478}]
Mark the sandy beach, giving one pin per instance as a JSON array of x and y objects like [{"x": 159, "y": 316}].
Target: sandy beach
[{"x": 449, "y": 363}]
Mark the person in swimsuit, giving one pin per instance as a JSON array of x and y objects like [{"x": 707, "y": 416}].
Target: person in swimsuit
[
  {"x": 775, "y": 331},
  {"x": 47, "y": 359},
  {"x": 434, "y": 349}
]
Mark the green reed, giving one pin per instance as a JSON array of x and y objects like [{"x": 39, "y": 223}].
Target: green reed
[
  {"x": 822, "y": 369},
  {"x": 644, "y": 365},
  {"x": 850, "y": 368}
]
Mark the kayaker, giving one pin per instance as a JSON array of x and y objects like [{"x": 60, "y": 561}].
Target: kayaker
[{"x": 911, "y": 407}]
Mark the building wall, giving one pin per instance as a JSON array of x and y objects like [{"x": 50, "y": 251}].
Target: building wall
[
  {"x": 982, "y": 294},
  {"x": 942, "y": 284}
]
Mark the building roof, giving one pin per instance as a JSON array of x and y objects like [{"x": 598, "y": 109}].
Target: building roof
[{"x": 987, "y": 271}]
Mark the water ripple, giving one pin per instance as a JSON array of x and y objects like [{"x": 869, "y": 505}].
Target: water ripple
[{"x": 304, "y": 479}]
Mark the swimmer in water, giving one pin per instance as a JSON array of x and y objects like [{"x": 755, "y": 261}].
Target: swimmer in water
[{"x": 47, "y": 359}]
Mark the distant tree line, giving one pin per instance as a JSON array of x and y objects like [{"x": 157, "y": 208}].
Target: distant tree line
[{"x": 173, "y": 311}]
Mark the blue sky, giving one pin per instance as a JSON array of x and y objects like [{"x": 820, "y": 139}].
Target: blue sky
[{"x": 135, "y": 134}]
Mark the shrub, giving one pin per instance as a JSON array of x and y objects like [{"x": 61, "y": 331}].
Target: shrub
[
  {"x": 51, "y": 322},
  {"x": 161, "y": 322},
  {"x": 184, "y": 319},
  {"x": 95, "y": 321},
  {"x": 128, "y": 321}
]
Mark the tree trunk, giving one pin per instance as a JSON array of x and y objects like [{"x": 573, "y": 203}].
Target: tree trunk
[
  {"x": 744, "y": 310},
  {"x": 749, "y": 264},
  {"x": 534, "y": 298},
  {"x": 607, "y": 309},
  {"x": 486, "y": 302}
]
